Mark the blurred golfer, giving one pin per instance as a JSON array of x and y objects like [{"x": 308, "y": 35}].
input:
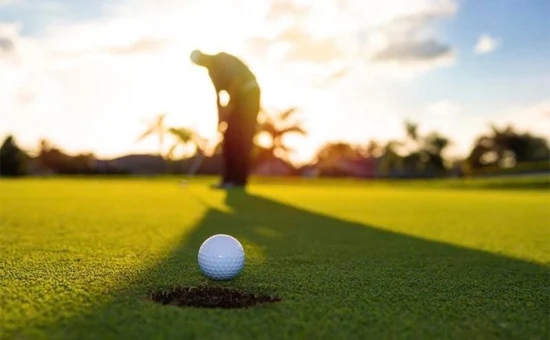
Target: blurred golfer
[{"x": 229, "y": 73}]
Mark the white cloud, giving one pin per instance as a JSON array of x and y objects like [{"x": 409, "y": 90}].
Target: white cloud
[
  {"x": 39, "y": 7},
  {"x": 8, "y": 2},
  {"x": 86, "y": 85},
  {"x": 6, "y": 45},
  {"x": 534, "y": 118},
  {"x": 393, "y": 35},
  {"x": 411, "y": 52},
  {"x": 486, "y": 44},
  {"x": 443, "y": 108}
]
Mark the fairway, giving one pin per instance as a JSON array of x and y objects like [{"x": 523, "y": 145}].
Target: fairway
[{"x": 79, "y": 257}]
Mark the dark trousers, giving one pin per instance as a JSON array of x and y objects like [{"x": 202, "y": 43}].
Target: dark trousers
[{"x": 239, "y": 139}]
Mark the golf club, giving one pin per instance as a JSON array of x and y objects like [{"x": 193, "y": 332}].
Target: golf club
[
  {"x": 197, "y": 162},
  {"x": 199, "y": 159}
]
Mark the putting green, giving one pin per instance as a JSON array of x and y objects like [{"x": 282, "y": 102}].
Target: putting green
[{"x": 79, "y": 257}]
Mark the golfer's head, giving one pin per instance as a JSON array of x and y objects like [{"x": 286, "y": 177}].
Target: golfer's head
[{"x": 199, "y": 58}]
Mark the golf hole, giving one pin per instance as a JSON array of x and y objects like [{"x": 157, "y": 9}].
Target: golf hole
[{"x": 210, "y": 297}]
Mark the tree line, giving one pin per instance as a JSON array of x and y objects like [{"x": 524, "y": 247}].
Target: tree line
[{"x": 417, "y": 155}]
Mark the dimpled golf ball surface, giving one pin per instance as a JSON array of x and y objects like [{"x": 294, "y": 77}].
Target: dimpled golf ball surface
[{"x": 221, "y": 257}]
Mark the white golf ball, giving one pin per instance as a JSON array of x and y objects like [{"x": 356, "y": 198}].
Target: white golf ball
[{"x": 221, "y": 257}]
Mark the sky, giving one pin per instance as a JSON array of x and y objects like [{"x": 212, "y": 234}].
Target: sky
[{"x": 89, "y": 75}]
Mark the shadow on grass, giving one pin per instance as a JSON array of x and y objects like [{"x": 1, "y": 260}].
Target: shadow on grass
[{"x": 338, "y": 280}]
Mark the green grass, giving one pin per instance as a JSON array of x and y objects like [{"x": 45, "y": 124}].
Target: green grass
[{"x": 350, "y": 259}]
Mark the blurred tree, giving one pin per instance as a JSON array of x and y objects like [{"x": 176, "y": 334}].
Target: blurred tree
[
  {"x": 434, "y": 144},
  {"x": 156, "y": 127},
  {"x": 373, "y": 149},
  {"x": 276, "y": 127},
  {"x": 333, "y": 152},
  {"x": 423, "y": 154},
  {"x": 411, "y": 130},
  {"x": 184, "y": 137},
  {"x": 413, "y": 157},
  {"x": 12, "y": 158},
  {"x": 330, "y": 156},
  {"x": 505, "y": 147},
  {"x": 478, "y": 155},
  {"x": 55, "y": 160},
  {"x": 392, "y": 162},
  {"x": 82, "y": 163}
]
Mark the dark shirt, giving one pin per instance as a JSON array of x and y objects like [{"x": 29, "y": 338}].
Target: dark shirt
[{"x": 225, "y": 68}]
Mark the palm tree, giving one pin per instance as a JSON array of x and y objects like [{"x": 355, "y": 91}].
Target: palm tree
[
  {"x": 277, "y": 126},
  {"x": 436, "y": 143},
  {"x": 156, "y": 126},
  {"x": 333, "y": 152},
  {"x": 501, "y": 144},
  {"x": 434, "y": 146},
  {"x": 185, "y": 136},
  {"x": 373, "y": 149},
  {"x": 12, "y": 158},
  {"x": 413, "y": 139},
  {"x": 330, "y": 156},
  {"x": 422, "y": 152},
  {"x": 411, "y": 130}
]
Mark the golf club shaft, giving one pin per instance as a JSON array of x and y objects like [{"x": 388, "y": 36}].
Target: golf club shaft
[{"x": 196, "y": 165}]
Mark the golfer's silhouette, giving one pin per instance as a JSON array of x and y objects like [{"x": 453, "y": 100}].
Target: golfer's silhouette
[{"x": 229, "y": 73}]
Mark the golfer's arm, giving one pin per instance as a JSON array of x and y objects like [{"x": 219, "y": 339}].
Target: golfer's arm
[
  {"x": 225, "y": 111},
  {"x": 232, "y": 91},
  {"x": 222, "y": 111}
]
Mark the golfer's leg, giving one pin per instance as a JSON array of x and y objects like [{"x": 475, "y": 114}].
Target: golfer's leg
[
  {"x": 244, "y": 143},
  {"x": 254, "y": 110},
  {"x": 251, "y": 108},
  {"x": 226, "y": 156},
  {"x": 246, "y": 160},
  {"x": 246, "y": 112},
  {"x": 237, "y": 159},
  {"x": 233, "y": 154}
]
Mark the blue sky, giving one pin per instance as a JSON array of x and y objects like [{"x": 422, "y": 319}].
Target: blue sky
[
  {"x": 516, "y": 74},
  {"x": 36, "y": 15},
  {"x": 424, "y": 68}
]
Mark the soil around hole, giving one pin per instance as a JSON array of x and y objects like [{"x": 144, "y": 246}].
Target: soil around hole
[{"x": 209, "y": 297}]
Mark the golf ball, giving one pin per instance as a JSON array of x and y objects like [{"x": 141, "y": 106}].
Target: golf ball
[{"x": 221, "y": 257}]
